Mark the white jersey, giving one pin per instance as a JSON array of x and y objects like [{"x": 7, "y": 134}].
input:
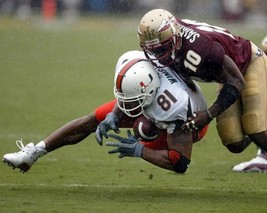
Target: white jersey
[{"x": 173, "y": 101}]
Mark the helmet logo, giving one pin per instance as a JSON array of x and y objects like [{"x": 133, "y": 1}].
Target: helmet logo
[
  {"x": 164, "y": 25},
  {"x": 150, "y": 34},
  {"x": 142, "y": 84}
]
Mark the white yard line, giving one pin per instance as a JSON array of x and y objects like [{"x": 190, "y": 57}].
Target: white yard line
[{"x": 75, "y": 185}]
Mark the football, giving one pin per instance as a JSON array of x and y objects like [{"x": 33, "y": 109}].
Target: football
[{"x": 145, "y": 130}]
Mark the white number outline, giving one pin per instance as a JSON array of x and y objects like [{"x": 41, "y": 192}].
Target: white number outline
[
  {"x": 192, "y": 58},
  {"x": 165, "y": 100},
  {"x": 208, "y": 28}
]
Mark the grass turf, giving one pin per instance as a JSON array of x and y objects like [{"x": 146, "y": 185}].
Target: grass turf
[{"x": 51, "y": 74}]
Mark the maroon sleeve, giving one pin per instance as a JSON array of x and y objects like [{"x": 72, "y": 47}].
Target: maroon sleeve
[{"x": 213, "y": 62}]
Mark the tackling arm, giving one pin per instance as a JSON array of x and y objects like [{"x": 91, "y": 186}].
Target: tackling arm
[{"x": 233, "y": 83}]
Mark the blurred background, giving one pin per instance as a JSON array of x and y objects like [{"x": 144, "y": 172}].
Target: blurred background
[
  {"x": 253, "y": 11},
  {"x": 57, "y": 63}
]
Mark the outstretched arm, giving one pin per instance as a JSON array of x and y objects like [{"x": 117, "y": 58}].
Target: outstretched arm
[{"x": 176, "y": 158}]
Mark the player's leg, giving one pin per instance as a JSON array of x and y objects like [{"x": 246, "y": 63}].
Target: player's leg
[
  {"x": 71, "y": 133},
  {"x": 255, "y": 114},
  {"x": 230, "y": 130},
  {"x": 254, "y": 97}
]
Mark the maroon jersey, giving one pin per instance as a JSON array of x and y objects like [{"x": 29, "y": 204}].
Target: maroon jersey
[{"x": 203, "y": 49}]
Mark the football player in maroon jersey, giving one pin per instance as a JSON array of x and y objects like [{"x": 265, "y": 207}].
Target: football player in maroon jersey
[{"x": 207, "y": 53}]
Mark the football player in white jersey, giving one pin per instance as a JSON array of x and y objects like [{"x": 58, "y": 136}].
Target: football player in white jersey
[
  {"x": 162, "y": 97},
  {"x": 76, "y": 131}
]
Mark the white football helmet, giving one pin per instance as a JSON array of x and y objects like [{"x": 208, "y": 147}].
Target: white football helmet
[
  {"x": 135, "y": 86},
  {"x": 159, "y": 36},
  {"x": 129, "y": 56}
]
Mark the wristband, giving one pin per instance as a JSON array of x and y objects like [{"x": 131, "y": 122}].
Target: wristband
[
  {"x": 209, "y": 115},
  {"x": 138, "y": 150}
]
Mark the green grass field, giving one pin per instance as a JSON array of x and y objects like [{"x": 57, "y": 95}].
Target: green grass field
[{"x": 51, "y": 74}]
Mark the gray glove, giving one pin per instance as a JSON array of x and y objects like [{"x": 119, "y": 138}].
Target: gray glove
[
  {"x": 127, "y": 147},
  {"x": 110, "y": 123}
]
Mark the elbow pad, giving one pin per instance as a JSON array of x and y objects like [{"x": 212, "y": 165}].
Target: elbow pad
[{"x": 180, "y": 163}]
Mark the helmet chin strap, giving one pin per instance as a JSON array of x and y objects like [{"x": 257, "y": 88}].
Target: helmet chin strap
[
  {"x": 176, "y": 43},
  {"x": 173, "y": 51},
  {"x": 173, "y": 55}
]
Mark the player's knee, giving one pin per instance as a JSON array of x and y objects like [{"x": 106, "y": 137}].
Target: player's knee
[
  {"x": 180, "y": 163},
  {"x": 239, "y": 146},
  {"x": 230, "y": 130}
]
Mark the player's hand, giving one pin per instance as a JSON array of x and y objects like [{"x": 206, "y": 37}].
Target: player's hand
[
  {"x": 127, "y": 146},
  {"x": 196, "y": 122},
  {"x": 110, "y": 123}
]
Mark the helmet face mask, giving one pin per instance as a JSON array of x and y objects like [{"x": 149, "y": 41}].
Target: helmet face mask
[
  {"x": 132, "y": 107},
  {"x": 136, "y": 85},
  {"x": 164, "y": 53},
  {"x": 159, "y": 36}
]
